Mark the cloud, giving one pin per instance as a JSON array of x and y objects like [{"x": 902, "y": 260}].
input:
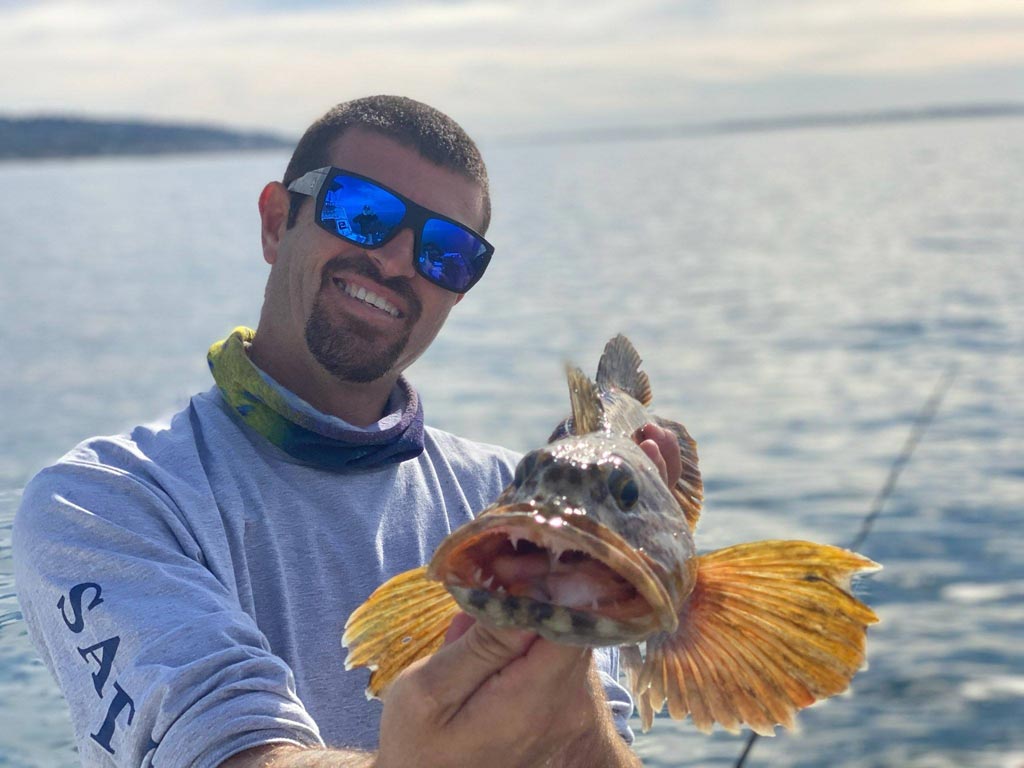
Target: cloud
[{"x": 500, "y": 65}]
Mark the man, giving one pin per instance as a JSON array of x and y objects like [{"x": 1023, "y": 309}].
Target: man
[
  {"x": 188, "y": 583},
  {"x": 368, "y": 223}
]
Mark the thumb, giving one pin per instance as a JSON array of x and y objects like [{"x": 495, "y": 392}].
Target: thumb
[
  {"x": 456, "y": 671},
  {"x": 459, "y": 626}
]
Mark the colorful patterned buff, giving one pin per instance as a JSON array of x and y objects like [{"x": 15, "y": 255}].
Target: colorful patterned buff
[{"x": 303, "y": 432}]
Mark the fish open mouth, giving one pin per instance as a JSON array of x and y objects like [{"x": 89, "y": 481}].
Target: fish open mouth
[{"x": 517, "y": 567}]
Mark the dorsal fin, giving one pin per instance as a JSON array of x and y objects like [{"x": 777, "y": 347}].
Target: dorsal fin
[
  {"x": 587, "y": 408},
  {"x": 620, "y": 368}
]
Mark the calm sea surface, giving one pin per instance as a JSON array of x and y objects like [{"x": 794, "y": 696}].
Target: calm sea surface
[{"x": 796, "y": 296}]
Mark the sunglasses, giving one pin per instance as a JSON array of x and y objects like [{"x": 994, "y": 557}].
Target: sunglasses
[{"x": 364, "y": 212}]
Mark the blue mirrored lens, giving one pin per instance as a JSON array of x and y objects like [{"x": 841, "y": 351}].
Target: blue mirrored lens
[
  {"x": 449, "y": 255},
  {"x": 360, "y": 211}
]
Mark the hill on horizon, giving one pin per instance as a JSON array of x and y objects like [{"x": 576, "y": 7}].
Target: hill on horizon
[{"x": 39, "y": 137}]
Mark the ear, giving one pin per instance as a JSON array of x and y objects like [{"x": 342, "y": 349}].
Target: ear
[{"x": 273, "y": 218}]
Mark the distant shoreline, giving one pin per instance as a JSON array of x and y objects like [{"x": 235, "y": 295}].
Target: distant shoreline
[
  {"x": 45, "y": 138},
  {"x": 773, "y": 124},
  {"x": 65, "y": 137}
]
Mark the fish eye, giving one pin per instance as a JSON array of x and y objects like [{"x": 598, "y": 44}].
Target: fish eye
[
  {"x": 623, "y": 488},
  {"x": 525, "y": 467}
]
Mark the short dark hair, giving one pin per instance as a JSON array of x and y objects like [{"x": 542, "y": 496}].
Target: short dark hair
[{"x": 434, "y": 135}]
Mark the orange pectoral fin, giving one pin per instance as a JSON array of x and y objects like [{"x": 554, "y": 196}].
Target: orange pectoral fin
[
  {"x": 404, "y": 620},
  {"x": 770, "y": 628}
]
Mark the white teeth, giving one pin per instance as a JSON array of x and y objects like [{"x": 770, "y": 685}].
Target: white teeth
[
  {"x": 490, "y": 580},
  {"x": 478, "y": 575},
  {"x": 358, "y": 292},
  {"x": 513, "y": 540},
  {"x": 500, "y": 590}
]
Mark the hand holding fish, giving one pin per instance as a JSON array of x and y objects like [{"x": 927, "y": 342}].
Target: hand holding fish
[
  {"x": 662, "y": 448},
  {"x": 501, "y": 699}
]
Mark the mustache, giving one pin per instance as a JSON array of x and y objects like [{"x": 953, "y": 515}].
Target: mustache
[{"x": 364, "y": 266}]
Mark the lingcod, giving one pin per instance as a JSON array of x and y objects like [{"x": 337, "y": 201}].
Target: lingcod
[{"x": 589, "y": 546}]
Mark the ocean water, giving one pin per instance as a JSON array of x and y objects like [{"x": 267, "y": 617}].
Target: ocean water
[{"x": 796, "y": 296}]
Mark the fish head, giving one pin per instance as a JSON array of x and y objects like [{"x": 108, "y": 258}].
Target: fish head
[{"x": 587, "y": 546}]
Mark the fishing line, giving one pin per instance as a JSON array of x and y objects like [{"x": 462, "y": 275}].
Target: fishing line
[{"x": 920, "y": 426}]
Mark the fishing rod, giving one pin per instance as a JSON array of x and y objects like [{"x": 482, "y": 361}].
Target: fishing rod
[{"x": 920, "y": 426}]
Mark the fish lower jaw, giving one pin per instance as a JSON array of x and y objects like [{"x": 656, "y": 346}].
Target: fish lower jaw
[{"x": 557, "y": 623}]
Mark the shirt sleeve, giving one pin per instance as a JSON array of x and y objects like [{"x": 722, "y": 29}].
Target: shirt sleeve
[
  {"x": 619, "y": 700},
  {"x": 156, "y": 659}
]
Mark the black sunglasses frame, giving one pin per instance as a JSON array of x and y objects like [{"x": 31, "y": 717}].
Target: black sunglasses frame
[{"x": 415, "y": 218}]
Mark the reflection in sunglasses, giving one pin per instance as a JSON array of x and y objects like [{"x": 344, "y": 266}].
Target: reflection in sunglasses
[{"x": 364, "y": 212}]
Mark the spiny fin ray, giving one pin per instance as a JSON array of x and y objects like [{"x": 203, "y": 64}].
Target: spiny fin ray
[
  {"x": 619, "y": 367},
  {"x": 769, "y": 629},
  {"x": 587, "y": 409},
  {"x": 404, "y": 620}
]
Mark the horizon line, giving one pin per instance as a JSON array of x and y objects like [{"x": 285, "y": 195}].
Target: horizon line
[{"x": 936, "y": 112}]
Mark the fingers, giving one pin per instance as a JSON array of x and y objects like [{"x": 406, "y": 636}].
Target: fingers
[
  {"x": 552, "y": 678},
  {"x": 654, "y": 454},
  {"x": 472, "y": 654},
  {"x": 492, "y": 697},
  {"x": 662, "y": 448}
]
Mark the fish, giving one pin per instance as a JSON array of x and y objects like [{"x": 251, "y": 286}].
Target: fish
[{"x": 588, "y": 546}]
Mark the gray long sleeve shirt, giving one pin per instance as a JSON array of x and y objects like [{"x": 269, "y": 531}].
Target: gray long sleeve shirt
[{"x": 188, "y": 584}]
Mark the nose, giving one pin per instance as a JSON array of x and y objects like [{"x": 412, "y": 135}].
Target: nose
[{"x": 394, "y": 258}]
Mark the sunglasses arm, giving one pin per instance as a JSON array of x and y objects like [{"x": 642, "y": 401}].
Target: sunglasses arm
[{"x": 310, "y": 183}]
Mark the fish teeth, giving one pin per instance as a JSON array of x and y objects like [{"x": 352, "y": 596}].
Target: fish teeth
[
  {"x": 514, "y": 541},
  {"x": 490, "y": 580},
  {"x": 478, "y": 576}
]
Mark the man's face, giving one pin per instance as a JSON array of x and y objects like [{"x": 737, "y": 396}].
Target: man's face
[{"x": 320, "y": 278}]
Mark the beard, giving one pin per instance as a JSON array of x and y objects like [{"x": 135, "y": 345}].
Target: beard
[{"x": 350, "y": 349}]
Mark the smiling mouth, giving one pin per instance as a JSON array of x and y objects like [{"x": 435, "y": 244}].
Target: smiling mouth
[{"x": 367, "y": 297}]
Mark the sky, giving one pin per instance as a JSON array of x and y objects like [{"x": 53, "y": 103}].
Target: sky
[{"x": 506, "y": 67}]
